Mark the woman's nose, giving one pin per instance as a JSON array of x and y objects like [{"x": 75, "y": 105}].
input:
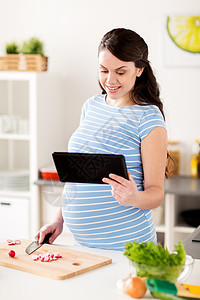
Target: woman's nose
[{"x": 111, "y": 78}]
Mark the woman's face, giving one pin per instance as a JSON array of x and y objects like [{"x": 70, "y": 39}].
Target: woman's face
[{"x": 117, "y": 77}]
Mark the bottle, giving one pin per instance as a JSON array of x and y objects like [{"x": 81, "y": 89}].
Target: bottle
[{"x": 195, "y": 160}]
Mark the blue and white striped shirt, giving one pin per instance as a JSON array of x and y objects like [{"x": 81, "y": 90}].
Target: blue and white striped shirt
[{"x": 90, "y": 211}]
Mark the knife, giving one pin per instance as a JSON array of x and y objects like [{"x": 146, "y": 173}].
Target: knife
[{"x": 35, "y": 245}]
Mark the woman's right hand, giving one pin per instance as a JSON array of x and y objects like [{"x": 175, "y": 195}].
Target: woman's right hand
[{"x": 55, "y": 228}]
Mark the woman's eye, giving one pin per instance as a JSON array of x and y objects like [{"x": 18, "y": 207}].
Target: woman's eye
[
  {"x": 103, "y": 71},
  {"x": 121, "y": 73}
]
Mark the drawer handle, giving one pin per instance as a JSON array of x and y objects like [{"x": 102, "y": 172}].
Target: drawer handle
[{"x": 5, "y": 203}]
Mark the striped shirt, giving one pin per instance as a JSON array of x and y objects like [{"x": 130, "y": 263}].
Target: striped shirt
[{"x": 92, "y": 214}]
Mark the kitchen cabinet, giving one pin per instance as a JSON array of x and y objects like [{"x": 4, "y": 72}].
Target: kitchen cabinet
[
  {"x": 31, "y": 128},
  {"x": 12, "y": 209}
]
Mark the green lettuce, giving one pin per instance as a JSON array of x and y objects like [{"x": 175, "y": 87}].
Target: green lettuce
[{"x": 155, "y": 261}]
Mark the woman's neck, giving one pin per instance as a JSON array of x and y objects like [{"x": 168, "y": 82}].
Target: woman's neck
[{"x": 119, "y": 102}]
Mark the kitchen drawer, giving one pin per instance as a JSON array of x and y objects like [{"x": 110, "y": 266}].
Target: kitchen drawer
[{"x": 14, "y": 218}]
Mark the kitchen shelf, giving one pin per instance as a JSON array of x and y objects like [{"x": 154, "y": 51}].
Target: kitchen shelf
[
  {"x": 184, "y": 229},
  {"x": 10, "y": 136},
  {"x": 29, "y": 96},
  {"x": 18, "y": 194},
  {"x": 161, "y": 228}
]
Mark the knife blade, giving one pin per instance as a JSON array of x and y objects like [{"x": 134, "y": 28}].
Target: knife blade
[{"x": 36, "y": 245}]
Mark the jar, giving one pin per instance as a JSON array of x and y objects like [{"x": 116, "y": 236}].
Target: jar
[{"x": 174, "y": 152}]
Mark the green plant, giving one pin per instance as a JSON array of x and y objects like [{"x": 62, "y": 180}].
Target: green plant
[
  {"x": 12, "y": 48},
  {"x": 33, "y": 46},
  {"x": 154, "y": 261}
]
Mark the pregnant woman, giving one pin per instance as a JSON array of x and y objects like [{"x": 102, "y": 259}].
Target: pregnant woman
[{"x": 127, "y": 118}]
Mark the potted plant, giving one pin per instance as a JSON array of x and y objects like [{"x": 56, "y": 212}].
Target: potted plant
[
  {"x": 12, "y": 48},
  {"x": 33, "y": 46},
  {"x": 30, "y": 57}
]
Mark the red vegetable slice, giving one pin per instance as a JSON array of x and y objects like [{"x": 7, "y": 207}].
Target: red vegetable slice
[
  {"x": 17, "y": 242},
  {"x": 12, "y": 242},
  {"x": 11, "y": 253},
  {"x": 46, "y": 257}
]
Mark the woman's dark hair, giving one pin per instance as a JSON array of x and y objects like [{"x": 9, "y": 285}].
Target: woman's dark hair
[{"x": 127, "y": 45}]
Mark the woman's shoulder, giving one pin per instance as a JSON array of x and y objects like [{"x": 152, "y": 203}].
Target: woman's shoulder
[
  {"x": 149, "y": 110},
  {"x": 146, "y": 107}
]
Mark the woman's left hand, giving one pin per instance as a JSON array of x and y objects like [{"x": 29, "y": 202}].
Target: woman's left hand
[{"x": 123, "y": 190}]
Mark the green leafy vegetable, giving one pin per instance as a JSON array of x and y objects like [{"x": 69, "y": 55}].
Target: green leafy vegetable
[{"x": 154, "y": 261}]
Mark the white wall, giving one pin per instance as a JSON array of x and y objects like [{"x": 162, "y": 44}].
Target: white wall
[{"x": 71, "y": 31}]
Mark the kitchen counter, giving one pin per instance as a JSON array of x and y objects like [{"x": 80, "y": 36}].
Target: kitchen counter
[
  {"x": 182, "y": 185},
  {"x": 178, "y": 185},
  {"x": 99, "y": 284}
]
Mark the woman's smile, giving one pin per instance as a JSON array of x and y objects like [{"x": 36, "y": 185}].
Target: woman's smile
[{"x": 113, "y": 89}]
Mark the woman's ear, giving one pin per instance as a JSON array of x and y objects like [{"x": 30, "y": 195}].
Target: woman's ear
[{"x": 139, "y": 71}]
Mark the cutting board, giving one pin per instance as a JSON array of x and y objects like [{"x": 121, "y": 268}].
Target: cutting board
[{"x": 72, "y": 263}]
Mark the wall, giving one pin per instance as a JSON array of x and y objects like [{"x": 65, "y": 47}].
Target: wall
[{"x": 71, "y": 31}]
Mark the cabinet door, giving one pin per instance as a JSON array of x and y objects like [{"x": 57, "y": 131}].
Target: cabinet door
[{"x": 14, "y": 218}]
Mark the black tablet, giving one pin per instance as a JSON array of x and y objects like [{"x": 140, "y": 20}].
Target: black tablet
[{"x": 88, "y": 168}]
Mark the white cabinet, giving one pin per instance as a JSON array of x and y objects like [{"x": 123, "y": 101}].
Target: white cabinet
[
  {"x": 31, "y": 128},
  {"x": 14, "y": 217}
]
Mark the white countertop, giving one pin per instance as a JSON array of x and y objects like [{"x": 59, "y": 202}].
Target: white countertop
[{"x": 99, "y": 284}]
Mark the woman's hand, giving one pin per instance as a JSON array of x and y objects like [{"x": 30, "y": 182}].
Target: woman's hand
[
  {"x": 123, "y": 190},
  {"x": 55, "y": 228}
]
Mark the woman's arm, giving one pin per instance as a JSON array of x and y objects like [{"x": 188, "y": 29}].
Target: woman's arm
[{"x": 154, "y": 158}]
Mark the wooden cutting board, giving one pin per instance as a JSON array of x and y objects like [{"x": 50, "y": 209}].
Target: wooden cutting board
[{"x": 72, "y": 263}]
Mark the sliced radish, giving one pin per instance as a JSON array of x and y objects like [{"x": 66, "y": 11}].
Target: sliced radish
[
  {"x": 34, "y": 257},
  {"x": 13, "y": 242},
  {"x": 47, "y": 257},
  {"x": 17, "y": 242}
]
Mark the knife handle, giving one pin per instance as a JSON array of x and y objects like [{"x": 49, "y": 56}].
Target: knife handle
[{"x": 46, "y": 238}]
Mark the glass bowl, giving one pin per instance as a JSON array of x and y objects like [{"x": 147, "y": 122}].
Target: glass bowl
[{"x": 173, "y": 274}]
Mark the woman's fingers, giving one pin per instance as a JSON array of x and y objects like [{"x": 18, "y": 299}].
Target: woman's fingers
[{"x": 119, "y": 179}]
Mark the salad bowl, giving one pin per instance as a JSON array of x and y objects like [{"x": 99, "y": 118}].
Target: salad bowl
[{"x": 174, "y": 274}]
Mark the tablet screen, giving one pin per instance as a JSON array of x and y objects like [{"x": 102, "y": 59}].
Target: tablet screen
[{"x": 88, "y": 168}]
